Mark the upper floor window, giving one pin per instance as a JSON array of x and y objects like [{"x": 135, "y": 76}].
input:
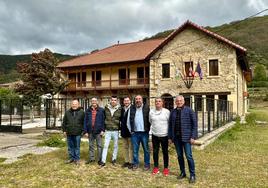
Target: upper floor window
[
  {"x": 123, "y": 76},
  {"x": 188, "y": 68},
  {"x": 142, "y": 75},
  {"x": 166, "y": 70},
  {"x": 96, "y": 78},
  {"x": 213, "y": 67},
  {"x": 81, "y": 82}
]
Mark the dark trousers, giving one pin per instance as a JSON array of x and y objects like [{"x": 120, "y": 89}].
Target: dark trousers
[
  {"x": 156, "y": 145},
  {"x": 187, "y": 148}
]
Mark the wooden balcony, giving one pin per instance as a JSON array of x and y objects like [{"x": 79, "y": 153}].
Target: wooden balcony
[{"x": 108, "y": 84}]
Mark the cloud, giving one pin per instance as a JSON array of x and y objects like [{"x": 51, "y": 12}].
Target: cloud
[{"x": 74, "y": 27}]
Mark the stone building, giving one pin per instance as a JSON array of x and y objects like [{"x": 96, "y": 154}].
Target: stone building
[{"x": 165, "y": 67}]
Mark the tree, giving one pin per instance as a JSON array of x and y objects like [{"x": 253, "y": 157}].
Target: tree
[
  {"x": 8, "y": 94},
  {"x": 260, "y": 73},
  {"x": 40, "y": 76}
]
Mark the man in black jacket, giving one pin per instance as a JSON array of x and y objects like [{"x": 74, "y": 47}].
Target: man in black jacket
[
  {"x": 72, "y": 126},
  {"x": 140, "y": 126}
]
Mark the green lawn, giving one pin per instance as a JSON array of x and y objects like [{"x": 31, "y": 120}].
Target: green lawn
[{"x": 239, "y": 158}]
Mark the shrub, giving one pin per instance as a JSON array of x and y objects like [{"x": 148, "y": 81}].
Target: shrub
[
  {"x": 251, "y": 119},
  {"x": 53, "y": 141}
]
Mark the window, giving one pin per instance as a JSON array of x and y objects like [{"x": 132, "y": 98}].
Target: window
[
  {"x": 96, "y": 78},
  {"x": 123, "y": 76},
  {"x": 198, "y": 102},
  {"x": 140, "y": 75},
  {"x": 166, "y": 70},
  {"x": 81, "y": 83},
  {"x": 188, "y": 68},
  {"x": 222, "y": 102},
  {"x": 84, "y": 79},
  {"x": 213, "y": 67},
  {"x": 210, "y": 102},
  {"x": 72, "y": 79}
]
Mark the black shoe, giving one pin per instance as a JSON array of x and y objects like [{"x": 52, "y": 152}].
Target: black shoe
[
  {"x": 114, "y": 162},
  {"x": 192, "y": 179},
  {"x": 125, "y": 165},
  {"x": 90, "y": 161},
  {"x": 102, "y": 164},
  {"x": 181, "y": 176},
  {"x": 130, "y": 166},
  {"x": 69, "y": 161},
  {"x": 135, "y": 167}
]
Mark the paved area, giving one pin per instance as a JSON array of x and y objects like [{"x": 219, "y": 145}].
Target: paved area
[{"x": 13, "y": 145}]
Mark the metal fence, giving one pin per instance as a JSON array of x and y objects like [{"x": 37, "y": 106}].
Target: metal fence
[
  {"x": 211, "y": 113},
  {"x": 15, "y": 116}
]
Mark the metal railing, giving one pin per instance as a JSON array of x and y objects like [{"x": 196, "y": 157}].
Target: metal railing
[{"x": 108, "y": 84}]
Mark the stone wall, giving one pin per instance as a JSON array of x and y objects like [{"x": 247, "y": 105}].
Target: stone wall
[{"x": 204, "y": 48}]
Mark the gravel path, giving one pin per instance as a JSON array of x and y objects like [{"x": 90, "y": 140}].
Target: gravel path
[
  {"x": 13, "y": 146},
  {"x": 13, "y": 154}
]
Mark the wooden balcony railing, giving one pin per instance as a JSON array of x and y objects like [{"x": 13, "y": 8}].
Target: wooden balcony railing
[{"x": 108, "y": 84}]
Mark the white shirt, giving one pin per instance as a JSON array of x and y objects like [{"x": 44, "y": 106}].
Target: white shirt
[{"x": 159, "y": 122}]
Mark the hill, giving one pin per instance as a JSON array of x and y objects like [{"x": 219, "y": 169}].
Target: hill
[
  {"x": 250, "y": 33},
  {"x": 8, "y": 63}
]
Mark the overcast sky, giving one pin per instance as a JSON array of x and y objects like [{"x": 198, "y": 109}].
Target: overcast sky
[{"x": 79, "y": 26}]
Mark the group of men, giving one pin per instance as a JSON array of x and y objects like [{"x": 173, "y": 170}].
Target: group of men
[{"x": 135, "y": 122}]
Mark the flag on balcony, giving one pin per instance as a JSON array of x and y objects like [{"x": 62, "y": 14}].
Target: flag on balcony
[{"x": 199, "y": 71}]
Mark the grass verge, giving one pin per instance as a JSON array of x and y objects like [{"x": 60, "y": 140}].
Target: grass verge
[{"x": 237, "y": 159}]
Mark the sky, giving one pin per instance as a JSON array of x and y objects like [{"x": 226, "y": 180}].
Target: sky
[{"x": 80, "y": 26}]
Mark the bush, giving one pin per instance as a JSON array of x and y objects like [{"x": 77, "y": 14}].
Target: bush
[
  {"x": 53, "y": 141},
  {"x": 251, "y": 119}
]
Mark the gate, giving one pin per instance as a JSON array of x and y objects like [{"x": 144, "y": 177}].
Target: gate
[{"x": 11, "y": 115}]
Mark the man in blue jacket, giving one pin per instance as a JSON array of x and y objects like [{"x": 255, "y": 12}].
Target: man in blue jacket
[
  {"x": 183, "y": 132},
  {"x": 94, "y": 129}
]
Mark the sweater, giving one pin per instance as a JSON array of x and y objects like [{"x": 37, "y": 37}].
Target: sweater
[{"x": 159, "y": 122}]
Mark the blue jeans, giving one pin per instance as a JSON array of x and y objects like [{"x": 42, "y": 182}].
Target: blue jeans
[
  {"x": 136, "y": 139},
  {"x": 73, "y": 143},
  {"x": 186, "y": 146},
  {"x": 108, "y": 136}
]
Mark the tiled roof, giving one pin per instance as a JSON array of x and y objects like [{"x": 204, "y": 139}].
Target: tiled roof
[
  {"x": 138, "y": 51},
  {"x": 135, "y": 51}
]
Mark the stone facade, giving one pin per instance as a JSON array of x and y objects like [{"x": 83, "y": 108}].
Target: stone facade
[{"x": 230, "y": 80}]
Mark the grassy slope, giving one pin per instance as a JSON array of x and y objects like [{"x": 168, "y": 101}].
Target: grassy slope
[
  {"x": 8, "y": 72},
  {"x": 237, "y": 159}
]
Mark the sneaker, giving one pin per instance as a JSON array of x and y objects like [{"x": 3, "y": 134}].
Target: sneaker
[
  {"x": 69, "y": 161},
  {"x": 114, "y": 162},
  {"x": 90, "y": 161},
  {"x": 166, "y": 171},
  {"x": 102, "y": 164},
  {"x": 155, "y": 171},
  {"x": 77, "y": 162},
  {"x": 135, "y": 167},
  {"x": 147, "y": 167}
]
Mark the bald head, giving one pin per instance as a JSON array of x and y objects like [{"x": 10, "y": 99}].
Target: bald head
[{"x": 179, "y": 101}]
